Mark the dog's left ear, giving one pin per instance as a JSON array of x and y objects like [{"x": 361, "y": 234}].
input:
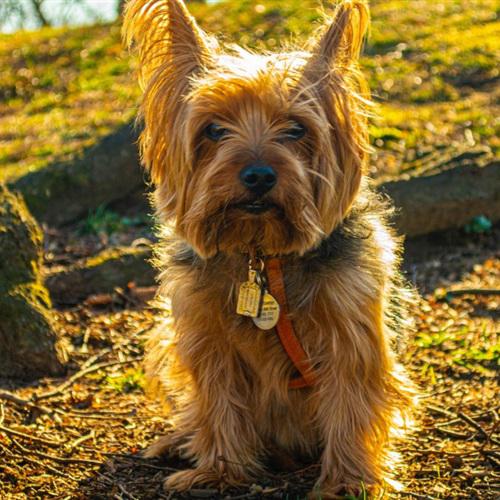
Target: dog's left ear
[
  {"x": 339, "y": 43},
  {"x": 332, "y": 72}
]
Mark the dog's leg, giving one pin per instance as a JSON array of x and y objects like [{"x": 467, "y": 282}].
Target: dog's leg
[
  {"x": 358, "y": 398},
  {"x": 217, "y": 421}
]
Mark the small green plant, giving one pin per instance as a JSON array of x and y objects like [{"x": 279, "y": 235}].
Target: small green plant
[
  {"x": 363, "y": 494},
  {"x": 130, "y": 381},
  {"x": 101, "y": 220},
  {"x": 431, "y": 339}
]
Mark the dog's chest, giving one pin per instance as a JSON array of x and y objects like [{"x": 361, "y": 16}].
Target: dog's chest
[{"x": 263, "y": 350}]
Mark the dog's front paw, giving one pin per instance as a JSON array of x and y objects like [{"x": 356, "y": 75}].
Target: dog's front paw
[{"x": 186, "y": 479}]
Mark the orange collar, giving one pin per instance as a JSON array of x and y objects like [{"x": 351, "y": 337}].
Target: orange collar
[{"x": 284, "y": 327}]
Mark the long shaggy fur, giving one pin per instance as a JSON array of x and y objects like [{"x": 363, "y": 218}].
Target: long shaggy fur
[{"x": 225, "y": 381}]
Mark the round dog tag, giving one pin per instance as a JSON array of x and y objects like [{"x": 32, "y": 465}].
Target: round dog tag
[{"x": 269, "y": 313}]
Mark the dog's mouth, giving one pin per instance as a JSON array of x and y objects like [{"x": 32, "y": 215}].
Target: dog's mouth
[{"x": 256, "y": 207}]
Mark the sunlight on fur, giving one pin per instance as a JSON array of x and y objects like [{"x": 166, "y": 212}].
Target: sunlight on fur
[{"x": 265, "y": 154}]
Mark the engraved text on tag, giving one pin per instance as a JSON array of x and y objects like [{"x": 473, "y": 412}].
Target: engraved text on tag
[{"x": 269, "y": 313}]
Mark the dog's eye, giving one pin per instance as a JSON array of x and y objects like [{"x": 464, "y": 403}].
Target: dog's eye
[
  {"x": 295, "y": 132},
  {"x": 215, "y": 132}
]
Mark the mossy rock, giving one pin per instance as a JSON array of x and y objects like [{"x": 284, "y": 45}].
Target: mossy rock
[
  {"x": 20, "y": 241},
  {"x": 106, "y": 172},
  {"x": 29, "y": 344},
  {"x": 101, "y": 273}
]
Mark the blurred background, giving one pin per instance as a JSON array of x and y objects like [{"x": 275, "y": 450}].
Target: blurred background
[
  {"x": 32, "y": 14},
  {"x": 76, "y": 232}
]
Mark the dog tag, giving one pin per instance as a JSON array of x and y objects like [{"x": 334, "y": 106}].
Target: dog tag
[
  {"x": 269, "y": 313},
  {"x": 249, "y": 296}
]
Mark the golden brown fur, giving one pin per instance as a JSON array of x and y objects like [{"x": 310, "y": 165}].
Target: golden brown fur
[{"x": 226, "y": 382}]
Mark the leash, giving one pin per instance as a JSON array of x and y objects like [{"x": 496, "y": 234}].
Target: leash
[{"x": 284, "y": 327}]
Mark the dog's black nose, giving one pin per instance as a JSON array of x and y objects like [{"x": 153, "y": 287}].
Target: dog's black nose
[{"x": 259, "y": 179}]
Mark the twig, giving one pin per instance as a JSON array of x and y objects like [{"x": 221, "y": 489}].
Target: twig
[
  {"x": 95, "y": 358},
  {"x": 478, "y": 427},
  {"x": 90, "y": 416},
  {"x": 78, "y": 375},
  {"x": 82, "y": 439},
  {"x": 241, "y": 497},
  {"x": 416, "y": 495},
  {"x": 251, "y": 494},
  {"x": 442, "y": 452},
  {"x": 120, "y": 486},
  {"x": 479, "y": 473},
  {"x": 472, "y": 423},
  {"x": 462, "y": 416},
  {"x": 487, "y": 486},
  {"x": 151, "y": 466},
  {"x": 452, "y": 433},
  {"x": 105, "y": 478},
  {"x": 125, "y": 492},
  {"x": 302, "y": 471},
  {"x": 129, "y": 413},
  {"x": 441, "y": 411},
  {"x": 37, "y": 463},
  {"x": 444, "y": 424},
  {"x": 492, "y": 453},
  {"x": 135, "y": 459},
  {"x": 35, "y": 439},
  {"x": 7, "y": 396},
  {"x": 57, "y": 459},
  {"x": 472, "y": 291}
]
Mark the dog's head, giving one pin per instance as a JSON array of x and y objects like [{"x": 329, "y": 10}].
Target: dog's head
[{"x": 248, "y": 150}]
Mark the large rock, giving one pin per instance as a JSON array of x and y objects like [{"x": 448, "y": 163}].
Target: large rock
[
  {"x": 107, "y": 172},
  {"x": 29, "y": 346},
  {"x": 446, "y": 199}
]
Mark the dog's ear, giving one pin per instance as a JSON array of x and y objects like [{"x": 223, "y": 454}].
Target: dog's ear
[
  {"x": 172, "y": 50},
  {"x": 339, "y": 43},
  {"x": 165, "y": 35},
  {"x": 332, "y": 71}
]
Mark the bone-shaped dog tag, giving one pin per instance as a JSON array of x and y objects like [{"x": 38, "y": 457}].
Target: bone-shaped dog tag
[
  {"x": 249, "y": 296},
  {"x": 269, "y": 313}
]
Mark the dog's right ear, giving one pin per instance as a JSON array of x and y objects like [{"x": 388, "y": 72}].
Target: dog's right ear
[
  {"x": 172, "y": 50},
  {"x": 165, "y": 35}
]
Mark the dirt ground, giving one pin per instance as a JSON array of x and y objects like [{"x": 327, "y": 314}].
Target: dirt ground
[{"x": 81, "y": 436}]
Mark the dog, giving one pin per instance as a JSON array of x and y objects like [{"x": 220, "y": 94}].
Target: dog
[{"x": 278, "y": 267}]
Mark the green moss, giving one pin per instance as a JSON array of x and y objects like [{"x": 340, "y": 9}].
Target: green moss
[
  {"x": 108, "y": 255},
  {"x": 20, "y": 242},
  {"x": 103, "y": 220},
  {"x": 29, "y": 343}
]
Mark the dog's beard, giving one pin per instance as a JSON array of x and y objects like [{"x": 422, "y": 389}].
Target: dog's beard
[{"x": 264, "y": 225}]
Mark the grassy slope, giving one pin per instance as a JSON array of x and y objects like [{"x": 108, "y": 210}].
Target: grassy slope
[{"x": 431, "y": 66}]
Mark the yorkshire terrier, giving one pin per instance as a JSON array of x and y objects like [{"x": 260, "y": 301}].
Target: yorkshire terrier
[{"x": 279, "y": 270}]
